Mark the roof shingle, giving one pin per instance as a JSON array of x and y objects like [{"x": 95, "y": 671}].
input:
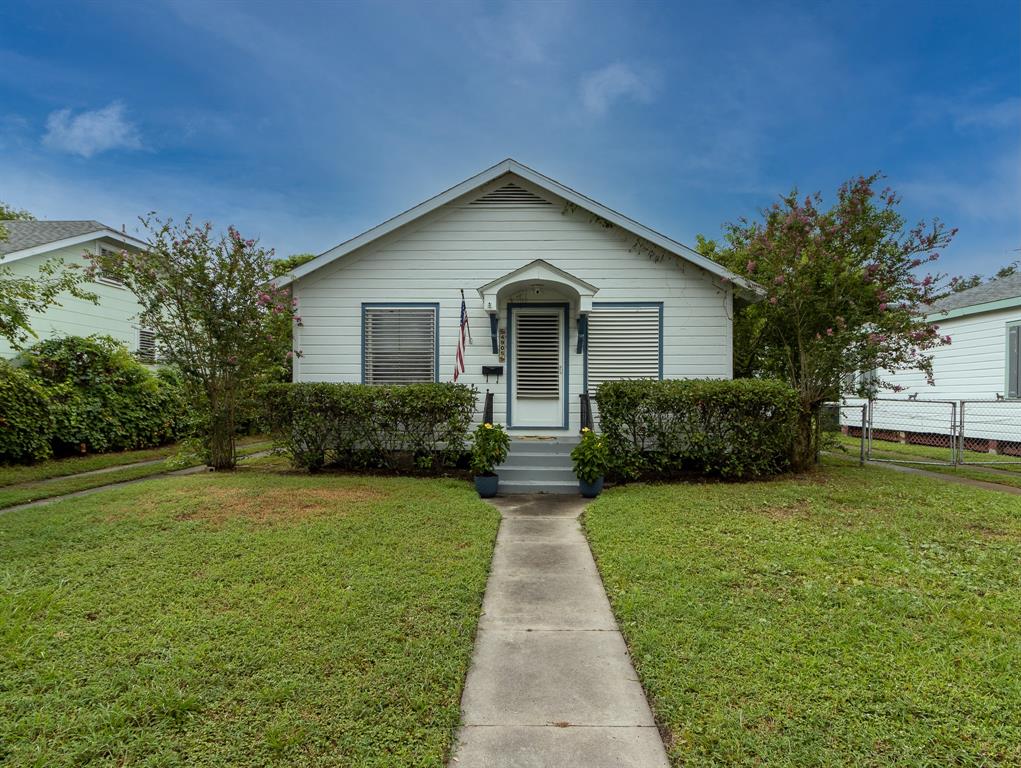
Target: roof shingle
[
  {"x": 995, "y": 290},
  {"x": 29, "y": 234}
]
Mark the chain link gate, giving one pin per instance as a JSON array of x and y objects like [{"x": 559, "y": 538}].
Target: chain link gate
[
  {"x": 989, "y": 432},
  {"x": 930, "y": 425}
]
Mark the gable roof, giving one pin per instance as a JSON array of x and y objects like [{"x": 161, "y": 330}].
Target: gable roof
[
  {"x": 509, "y": 166},
  {"x": 27, "y": 238},
  {"x": 1002, "y": 293}
]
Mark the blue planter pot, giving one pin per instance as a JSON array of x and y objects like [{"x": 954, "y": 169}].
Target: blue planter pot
[
  {"x": 486, "y": 485},
  {"x": 590, "y": 490}
]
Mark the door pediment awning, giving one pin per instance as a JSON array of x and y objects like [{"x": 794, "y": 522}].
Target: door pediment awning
[{"x": 537, "y": 272}]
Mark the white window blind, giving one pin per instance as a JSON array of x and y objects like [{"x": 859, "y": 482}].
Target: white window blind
[
  {"x": 400, "y": 345},
  {"x": 537, "y": 354},
  {"x": 623, "y": 343}
]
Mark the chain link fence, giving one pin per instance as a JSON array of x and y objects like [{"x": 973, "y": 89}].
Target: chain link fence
[
  {"x": 935, "y": 432},
  {"x": 989, "y": 432}
]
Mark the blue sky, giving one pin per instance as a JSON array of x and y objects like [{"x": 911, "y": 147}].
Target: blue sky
[{"x": 305, "y": 124}]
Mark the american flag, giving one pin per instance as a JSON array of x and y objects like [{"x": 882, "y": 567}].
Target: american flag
[{"x": 459, "y": 359}]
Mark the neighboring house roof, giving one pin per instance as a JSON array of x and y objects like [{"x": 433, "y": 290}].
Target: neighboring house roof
[
  {"x": 743, "y": 285},
  {"x": 1002, "y": 293},
  {"x": 27, "y": 238}
]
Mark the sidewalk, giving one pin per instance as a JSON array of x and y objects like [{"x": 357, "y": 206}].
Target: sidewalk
[{"x": 551, "y": 682}]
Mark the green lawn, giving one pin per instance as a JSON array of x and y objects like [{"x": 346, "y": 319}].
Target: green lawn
[
  {"x": 909, "y": 455},
  {"x": 241, "y": 619},
  {"x": 67, "y": 482},
  {"x": 856, "y": 616}
]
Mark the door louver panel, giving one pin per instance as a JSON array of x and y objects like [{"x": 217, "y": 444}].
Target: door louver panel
[
  {"x": 510, "y": 194},
  {"x": 623, "y": 343},
  {"x": 537, "y": 355},
  {"x": 400, "y": 345}
]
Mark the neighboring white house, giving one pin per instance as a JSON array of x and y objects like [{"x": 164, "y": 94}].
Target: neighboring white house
[
  {"x": 982, "y": 363},
  {"x": 982, "y": 360},
  {"x": 31, "y": 243},
  {"x": 562, "y": 293}
]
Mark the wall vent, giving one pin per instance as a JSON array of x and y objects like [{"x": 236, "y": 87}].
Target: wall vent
[{"x": 510, "y": 194}]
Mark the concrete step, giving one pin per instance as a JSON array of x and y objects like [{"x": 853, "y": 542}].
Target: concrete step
[
  {"x": 536, "y": 486},
  {"x": 547, "y": 473},
  {"x": 557, "y": 446}
]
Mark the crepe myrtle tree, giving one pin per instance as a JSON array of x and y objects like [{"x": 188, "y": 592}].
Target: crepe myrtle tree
[
  {"x": 845, "y": 295},
  {"x": 24, "y": 295},
  {"x": 216, "y": 316}
]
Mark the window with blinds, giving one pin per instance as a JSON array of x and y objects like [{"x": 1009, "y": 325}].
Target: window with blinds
[
  {"x": 623, "y": 343},
  {"x": 537, "y": 354},
  {"x": 1014, "y": 361},
  {"x": 399, "y": 344}
]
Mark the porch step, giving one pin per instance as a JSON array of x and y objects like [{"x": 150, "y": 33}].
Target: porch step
[
  {"x": 514, "y": 473},
  {"x": 536, "y": 486},
  {"x": 538, "y": 466}
]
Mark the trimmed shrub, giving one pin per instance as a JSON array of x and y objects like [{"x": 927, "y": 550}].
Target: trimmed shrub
[
  {"x": 102, "y": 398},
  {"x": 26, "y": 424},
  {"x": 734, "y": 429},
  {"x": 358, "y": 425}
]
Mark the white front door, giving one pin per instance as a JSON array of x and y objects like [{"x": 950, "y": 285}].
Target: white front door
[{"x": 537, "y": 360}]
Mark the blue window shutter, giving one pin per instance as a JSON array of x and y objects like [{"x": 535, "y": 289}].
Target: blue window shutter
[{"x": 1014, "y": 361}]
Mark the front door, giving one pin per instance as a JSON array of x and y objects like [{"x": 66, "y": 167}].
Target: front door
[{"x": 537, "y": 366}]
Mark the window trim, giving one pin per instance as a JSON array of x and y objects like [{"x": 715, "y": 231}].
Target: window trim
[
  {"x": 111, "y": 281},
  {"x": 1006, "y": 360},
  {"x": 434, "y": 305},
  {"x": 625, "y": 304}
]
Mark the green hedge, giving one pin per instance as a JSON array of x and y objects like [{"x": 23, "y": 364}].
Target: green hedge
[
  {"x": 26, "y": 424},
  {"x": 358, "y": 426},
  {"x": 735, "y": 429},
  {"x": 102, "y": 398}
]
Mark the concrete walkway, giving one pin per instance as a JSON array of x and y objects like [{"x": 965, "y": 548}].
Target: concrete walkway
[{"x": 551, "y": 683}]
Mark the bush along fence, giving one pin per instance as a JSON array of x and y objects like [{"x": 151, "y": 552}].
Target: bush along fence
[
  {"x": 84, "y": 395},
  {"x": 410, "y": 427},
  {"x": 743, "y": 428}
]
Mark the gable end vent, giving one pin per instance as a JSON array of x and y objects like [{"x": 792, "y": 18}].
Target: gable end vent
[{"x": 510, "y": 194}]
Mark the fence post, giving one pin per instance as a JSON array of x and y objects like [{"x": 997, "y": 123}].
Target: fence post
[
  {"x": 960, "y": 435},
  {"x": 861, "y": 443}
]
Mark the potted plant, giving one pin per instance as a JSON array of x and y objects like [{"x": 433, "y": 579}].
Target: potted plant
[
  {"x": 489, "y": 449},
  {"x": 590, "y": 459}
]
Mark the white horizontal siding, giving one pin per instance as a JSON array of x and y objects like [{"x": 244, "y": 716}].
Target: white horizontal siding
[
  {"x": 972, "y": 367},
  {"x": 115, "y": 314},
  {"x": 463, "y": 247}
]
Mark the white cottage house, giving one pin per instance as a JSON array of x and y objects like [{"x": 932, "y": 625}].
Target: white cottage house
[
  {"x": 30, "y": 244},
  {"x": 562, "y": 293}
]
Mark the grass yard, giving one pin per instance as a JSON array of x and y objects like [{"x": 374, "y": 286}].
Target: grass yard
[
  {"x": 252, "y": 618},
  {"x": 856, "y": 616},
  {"x": 60, "y": 477},
  {"x": 899, "y": 453}
]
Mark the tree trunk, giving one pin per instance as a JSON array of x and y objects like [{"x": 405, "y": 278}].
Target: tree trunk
[
  {"x": 803, "y": 450},
  {"x": 222, "y": 454}
]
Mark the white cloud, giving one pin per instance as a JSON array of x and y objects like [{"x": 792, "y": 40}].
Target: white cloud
[
  {"x": 600, "y": 89},
  {"x": 91, "y": 132},
  {"x": 1000, "y": 114}
]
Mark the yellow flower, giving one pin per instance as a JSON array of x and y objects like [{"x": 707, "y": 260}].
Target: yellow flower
[
  {"x": 585, "y": 429},
  {"x": 487, "y": 425}
]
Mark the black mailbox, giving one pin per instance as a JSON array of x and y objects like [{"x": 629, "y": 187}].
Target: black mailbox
[{"x": 492, "y": 370}]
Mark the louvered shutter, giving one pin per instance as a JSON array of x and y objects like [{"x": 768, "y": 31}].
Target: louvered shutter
[
  {"x": 623, "y": 343},
  {"x": 537, "y": 355},
  {"x": 146, "y": 345},
  {"x": 1014, "y": 361},
  {"x": 400, "y": 345}
]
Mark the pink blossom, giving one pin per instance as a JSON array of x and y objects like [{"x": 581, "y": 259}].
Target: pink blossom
[
  {"x": 882, "y": 307},
  {"x": 898, "y": 388},
  {"x": 829, "y": 331},
  {"x": 750, "y": 266},
  {"x": 290, "y": 355},
  {"x": 772, "y": 299},
  {"x": 779, "y": 280}
]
